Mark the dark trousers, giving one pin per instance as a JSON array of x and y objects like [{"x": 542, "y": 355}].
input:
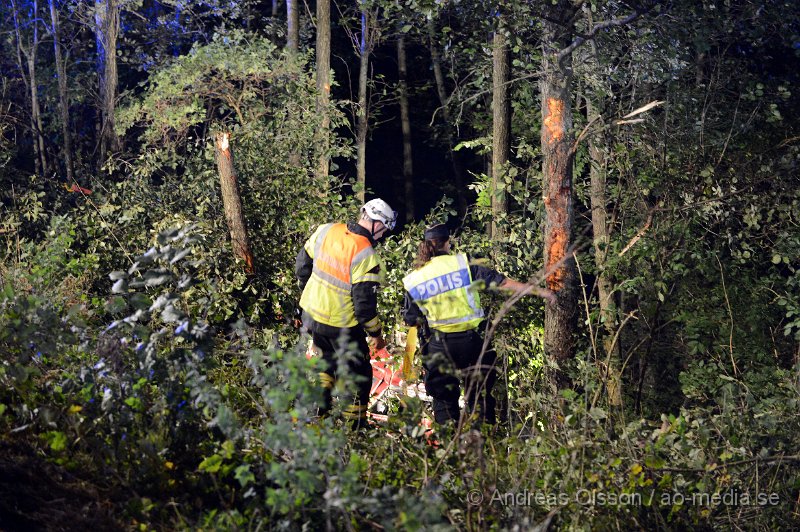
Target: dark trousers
[
  {"x": 452, "y": 360},
  {"x": 346, "y": 353}
]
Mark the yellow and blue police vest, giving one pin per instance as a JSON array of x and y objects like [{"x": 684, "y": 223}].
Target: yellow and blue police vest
[
  {"x": 341, "y": 259},
  {"x": 444, "y": 291}
]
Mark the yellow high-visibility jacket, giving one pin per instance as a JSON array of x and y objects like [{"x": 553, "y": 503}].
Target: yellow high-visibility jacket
[
  {"x": 444, "y": 291},
  {"x": 341, "y": 259}
]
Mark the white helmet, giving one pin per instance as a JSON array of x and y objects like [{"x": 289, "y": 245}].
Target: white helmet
[{"x": 380, "y": 211}]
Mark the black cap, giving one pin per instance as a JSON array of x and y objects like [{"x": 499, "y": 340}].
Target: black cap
[{"x": 437, "y": 232}]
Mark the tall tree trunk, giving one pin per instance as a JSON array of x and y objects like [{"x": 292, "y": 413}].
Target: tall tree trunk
[
  {"x": 605, "y": 285},
  {"x": 27, "y": 68},
  {"x": 557, "y": 141},
  {"x": 232, "y": 202},
  {"x": 275, "y": 6},
  {"x": 63, "y": 99},
  {"x": 405, "y": 122},
  {"x": 598, "y": 164},
  {"x": 323, "y": 50},
  {"x": 107, "y": 34},
  {"x": 441, "y": 91},
  {"x": 501, "y": 128},
  {"x": 363, "y": 110},
  {"x": 292, "y": 27}
]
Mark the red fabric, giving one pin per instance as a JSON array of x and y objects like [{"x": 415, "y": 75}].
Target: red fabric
[{"x": 383, "y": 372}]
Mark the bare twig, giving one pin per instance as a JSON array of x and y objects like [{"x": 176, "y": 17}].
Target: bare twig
[
  {"x": 639, "y": 234},
  {"x": 730, "y": 315}
]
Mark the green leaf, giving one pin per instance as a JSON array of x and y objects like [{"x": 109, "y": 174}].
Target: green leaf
[
  {"x": 244, "y": 475},
  {"x": 211, "y": 464},
  {"x": 134, "y": 402},
  {"x": 654, "y": 462},
  {"x": 57, "y": 440}
]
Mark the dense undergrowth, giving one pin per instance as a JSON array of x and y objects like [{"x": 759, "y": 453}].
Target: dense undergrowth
[{"x": 179, "y": 419}]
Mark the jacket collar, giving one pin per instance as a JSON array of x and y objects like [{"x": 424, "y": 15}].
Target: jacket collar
[{"x": 357, "y": 229}]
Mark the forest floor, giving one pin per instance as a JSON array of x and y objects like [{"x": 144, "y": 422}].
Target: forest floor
[{"x": 36, "y": 494}]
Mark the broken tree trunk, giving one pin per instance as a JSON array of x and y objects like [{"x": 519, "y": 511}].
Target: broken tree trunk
[{"x": 232, "y": 202}]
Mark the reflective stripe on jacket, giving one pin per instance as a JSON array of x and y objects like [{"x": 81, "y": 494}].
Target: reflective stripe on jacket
[
  {"x": 341, "y": 259},
  {"x": 444, "y": 291}
]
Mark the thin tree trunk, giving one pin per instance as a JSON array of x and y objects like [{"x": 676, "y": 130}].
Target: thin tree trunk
[
  {"x": 107, "y": 33},
  {"x": 293, "y": 27},
  {"x": 556, "y": 141},
  {"x": 293, "y": 50},
  {"x": 323, "y": 50},
  {"x": 600, "y": 230},
  {"x": 23, "y": 67},
  {"x": 275, "y": 6},
  {"x": 27, "y": 68},
  {"x": 405, "y": 122},
  {"x": 63, "y": 98},
  {"x": 232, "y": 202},
  {"x": 36, "y": 116},
  {"x": 501, "y": 128},
  {"x": 605, "y": 285},
  {"x": 363, "y": 111},
  {"x": 441, "y": 91}
]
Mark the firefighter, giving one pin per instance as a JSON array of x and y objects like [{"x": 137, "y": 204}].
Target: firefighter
[
  {"x": 339, "y": 273},
  {"x": 442, "y": 294}
]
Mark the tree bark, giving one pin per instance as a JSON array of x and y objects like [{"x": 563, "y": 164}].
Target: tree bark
[
  {"x": 27, "y": 68},
  {"x": 605, "y": 285},
  {"x": 405, "y": 122},
  {"x": 556, "y": 142},
  {"x": 363, "y": 110},
  {"x": 441, "y": 91},
  {"x": 107, "y": 34},
  {"x": 610, "y": 372},
  {"x": 501, "y": 128},
  {"x": 63, "y": 98},
  {"x": 323, "y": 50},
  {"x": 292, "y": 27},
  {"x": 232, "y": 202}
]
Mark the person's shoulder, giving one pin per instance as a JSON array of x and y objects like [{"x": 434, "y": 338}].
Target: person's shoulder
[{"x": 480, "y": 261}]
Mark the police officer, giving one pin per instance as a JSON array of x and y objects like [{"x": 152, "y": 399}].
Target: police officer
[
  {"x": 442, "y": 290},
  {"x": 340, "y": 272}
]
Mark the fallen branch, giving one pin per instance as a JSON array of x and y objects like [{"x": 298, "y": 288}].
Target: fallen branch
[{"x": 639, "y": 235}]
